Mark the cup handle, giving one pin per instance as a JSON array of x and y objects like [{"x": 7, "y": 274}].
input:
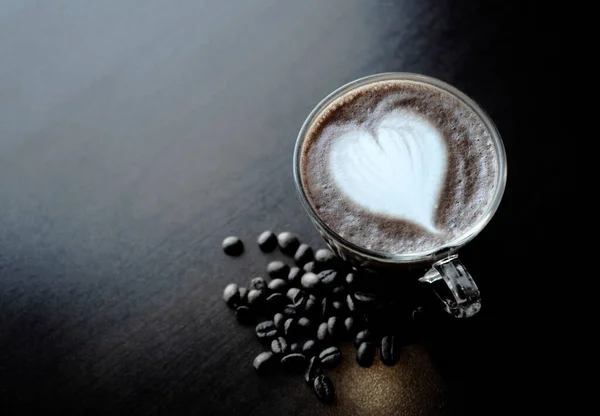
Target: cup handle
[{"x": 463, "y": 299}]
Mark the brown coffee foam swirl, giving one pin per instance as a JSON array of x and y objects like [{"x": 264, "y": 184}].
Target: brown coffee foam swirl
[{"x": 470, "y": 180}]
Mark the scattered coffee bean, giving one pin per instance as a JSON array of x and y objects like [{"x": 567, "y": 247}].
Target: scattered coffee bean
[
  {"x": 293, "y": 363},
  {"x": 233, "y": 246},
  {"x": 334, "y": 327},
  {"x": 279, "y": 320},
  {"x": 324, "y": 388},
  {"x": 256, "y": 297},
  {"x": 418, "y": 314},
  {"x": 350, "y": 303},
  {"x": 300, "y": 300},
  {"x": 349, "y": 324},
  {"x": 366, "y": 299},
  {"x": 312, "y": 370},
  {"x": 290, "y": 311},
  {"x": 244, "y": 315},
  {"x": 292, "y": 292},
  {"x": 278, "y": 270},
  {"x": 326, "y": 307},
  {"x": 303, "y": 255},
  {"x": 328, "y": 278},
  {"x": 309, "y": 281},
  {"x": 267, "y": 241},
  {"x": 350, "y": 279},
  {"x": 290, "y": 328},
  {"x": 294, "y": 275},
  {"x": 279, "y": 346},
  {"x": 258, "y": 283},
  {"x": 266, "y": 330},
  {"x": 389, "y": 350},
  {"x": 310, "y": 267},
  {"x": 338, "y": 291},
  {"x": 362, "y": 336},
  {"x": 295, "y": 347},
  {"x": 278, "y": 285},
  {"x": 330, "y": 357},
  {"x": 231, "y": 294},
  {"x": 276, "y": 301},
  {"x": 264, "y": 362},
  {"x": 309, "y": 348},
  {"x": 323, "y": 333},
  {"x": 325, "y": 257},
  {"x": 304, "y": 325},
  {"x": 311, "y": 307},
  {"x": 337, "y": 307},
  {"x": 365, "y": 354},
  {"x": 243, "y": 296},
  {"x": 288, "y": 243}
]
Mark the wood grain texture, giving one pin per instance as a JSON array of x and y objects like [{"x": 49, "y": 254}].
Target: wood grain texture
[{"x": 135, "y": 135}]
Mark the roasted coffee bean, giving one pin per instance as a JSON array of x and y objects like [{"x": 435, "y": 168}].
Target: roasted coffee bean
[
  {"x": 288, "y": 243},
  {"x": 328, "y": 278},
  {"x": 362, "y": 336},
  {"x": 334, "y": 327},
  {"x": 292, "y": 292},
  {"x": 300, "y": 300},
  {"x": 389, "y": 351},
  {"x": 324, "y": 388},
  {"x": 244, "y": 315},
  {"x": 279, "y": 320},
  {"x": 309, "y": 281},
  {"x": 366, "y": 299},
  {"x": 294, "y": 275},
  {"x": 311, "y": 307},
  {"x": 309, "y": 348},
  {"x": 304, "y": 325},
  {"x": 233, "y": 246},
  {"x": 279, "y": 346},
  {"x": 310, "y": 267},
  {"x": 323, "y": 333},
  {"x": 293, "y": 363},
  {"x": 278, "y": 285},
  {"x": 295, "y": 347},
  {"x": 256, "y": 298},
  {"x": 350, "y": 325},
  {"x": 266, "y": 330},
  {"x": 337, "y": 307},
  {"x": 350, "y": 279},
  {"x": 278, "y": 270},
  {"x": 231, "y": 294},
  {"x": 258, "y": 283},
  {"x": 326, "y": 307},
  {"x": 290, "y": 311},
  {"x": 418, "y": 314},
  {"x": 325, "y": 257},
  {"x": 350, "y": 303},
  {"x": 365, "y": 354},
  {"x": 303, "y": 255},
  {"x": 276, "y": 301},
  {"x": 290, "y": 328},
  {"x": 313, "y": 369},
  {"x": 265, "y": 362},
  {"x": 330, "y": 357},
  {"x": 338, "y": 291},
  {"x": 267, "y": 241},
  {"x": 243, "y": 297}
]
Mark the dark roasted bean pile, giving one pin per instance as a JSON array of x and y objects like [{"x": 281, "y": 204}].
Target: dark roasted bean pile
[{"x": 306, "y": 309}]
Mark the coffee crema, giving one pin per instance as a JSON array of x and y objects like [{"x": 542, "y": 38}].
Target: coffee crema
[{"x": 399, "y": 167}]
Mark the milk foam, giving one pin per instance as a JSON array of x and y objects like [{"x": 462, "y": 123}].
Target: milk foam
[{"x": 396, "y": 170}]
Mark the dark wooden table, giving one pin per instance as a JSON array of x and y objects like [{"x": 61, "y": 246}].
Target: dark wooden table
[{"x": 135, "y": 135}]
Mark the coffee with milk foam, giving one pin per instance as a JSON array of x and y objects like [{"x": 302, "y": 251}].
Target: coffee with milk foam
[{"x": 399, "y": 167}]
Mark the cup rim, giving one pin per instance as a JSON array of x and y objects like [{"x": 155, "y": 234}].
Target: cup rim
[{"x": 416, "y": 256}]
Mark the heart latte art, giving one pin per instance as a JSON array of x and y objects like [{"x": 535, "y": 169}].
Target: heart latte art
[
  {"x": 397, "y": 170},
  {"x": 399, "y": 167}
]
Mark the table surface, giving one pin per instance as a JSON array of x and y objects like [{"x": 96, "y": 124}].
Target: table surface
[{"x": 135, "y": 135}]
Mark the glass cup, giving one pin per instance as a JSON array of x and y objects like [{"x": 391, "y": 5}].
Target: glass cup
[{"x": 459, "y": 294}]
